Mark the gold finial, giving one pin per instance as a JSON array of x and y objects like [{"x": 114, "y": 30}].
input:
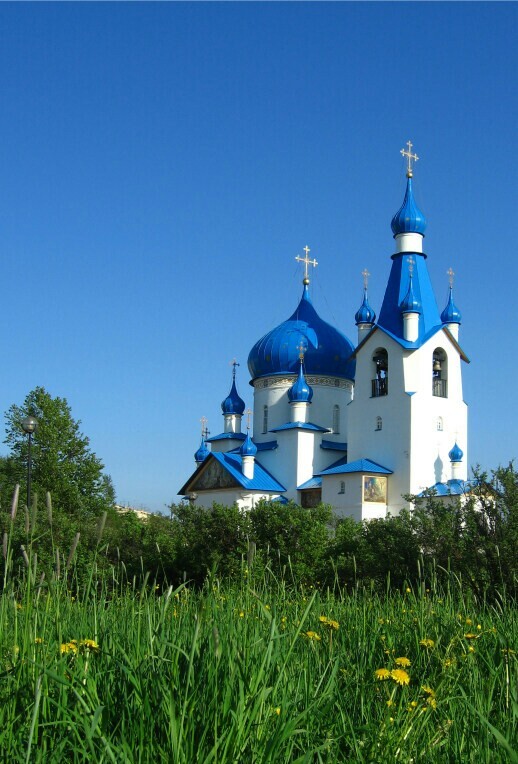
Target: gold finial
[
  {"x": 365, "y": 274},
  {"x": 450, "y": 273},
  {"x": 248, "y": 413},
  {"x": 408, "y": 154},
  {"x": 306, "y": 262},
  {"x": 410, "y": 261},
  {"x": 234, "y": 363},
  {"x": 204, "y": 431}
]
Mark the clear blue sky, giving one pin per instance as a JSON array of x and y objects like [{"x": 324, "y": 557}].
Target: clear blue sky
[{"x": 162, "y": 164}]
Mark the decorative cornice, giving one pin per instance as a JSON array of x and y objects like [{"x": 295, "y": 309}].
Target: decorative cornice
[{"x": 276, "y": 381}]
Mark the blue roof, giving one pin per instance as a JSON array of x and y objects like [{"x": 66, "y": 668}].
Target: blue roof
[
  {"x": 409, "y": 218},
  {"x": 202, "y": 452},
  {"x": 365, "y": 314},
  {"x": 248, "y": 447},
  {"x": 300, "y": 426},
  {"x": 280, "y": 500},
  {"x": 326, "y": 350},
  {"x": 300, "y": 391},
  {"x": 227, "y": 436},
  {"x": 314, "y": 482},
  {"x": 451, "y": 314},
  {"x": 450, "y": 488},
  {"x": 233, "y": 404},
  {"x": 456, "y": 453},
  {"x": 390, "y": 318},
  {"x": 333, "y": 445},
  {"x": 232, "y": 463},
  {"x": 360, "y": 465}
]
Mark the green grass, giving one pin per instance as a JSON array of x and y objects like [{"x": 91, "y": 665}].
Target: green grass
[{"x": 111, "y": 670}]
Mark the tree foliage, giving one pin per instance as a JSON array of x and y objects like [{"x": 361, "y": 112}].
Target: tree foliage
[{"x": 62, "y": 461}]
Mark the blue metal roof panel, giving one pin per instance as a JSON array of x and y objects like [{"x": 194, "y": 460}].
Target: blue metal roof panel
[
  {"x": 360, "y": 465},
  {"x": 333, "y": 446},
  {"x": 450, "y": 488},
  {"x": 314, "y": 482},
  {"x": 227, "y": 436},
  {"x": 262, "y": 480},
  {"x": 300, "y": 426}
]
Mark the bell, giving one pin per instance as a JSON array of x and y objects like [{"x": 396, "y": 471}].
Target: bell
[{"x": 436, "y": 364}]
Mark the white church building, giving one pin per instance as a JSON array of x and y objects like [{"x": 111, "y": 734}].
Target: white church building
[{"x": 356, "y": 427}]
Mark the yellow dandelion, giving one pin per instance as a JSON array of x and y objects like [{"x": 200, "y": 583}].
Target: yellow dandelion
[
  {"x": 241, "y": 614},
  {"x": 508, "y": 651},
  {"x": 447, "y": 662},
  {"x": 400, "y": 677},
  {"x": 390, "y": 703},
  {"x": 468, "y": 621},
  {"x": 428, "y": 690},
  {"x": 313, "y": 636},
  {"x": 408, "y": 590},
  {"x": 68, "y": 647},
  {"x": 469, "y": 635},
  {"x": 38, "y": 641},
  {"x": 432, "y": 702},
  {"x": 405, "y": 662},
  {"x": 91, "y": 644},
  {"x": 382, "y": 674},
  {"x": 479, "y": 627},
  {"x": 427, "y": 642},
  {"x": 471, "y": 649},
  {"x": 277, "y": 710}
]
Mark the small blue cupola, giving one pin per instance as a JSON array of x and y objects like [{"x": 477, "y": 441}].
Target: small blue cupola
[
  {"x": 451, "y": 314},
  {"x": 409, "y": 218},
  {"x": 202, "y": 452},
  {"x": 456, "y": 453},
  {"x": 248, "y": 447},
  {"x": 233, "y": 404},
  {"x": 300, "y": 391},
  {"x": 365, "y": 314},
  {"x": 410, "y": 303}
]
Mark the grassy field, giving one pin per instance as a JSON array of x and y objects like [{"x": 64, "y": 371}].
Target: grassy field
[{"x": 112, "y": 671}]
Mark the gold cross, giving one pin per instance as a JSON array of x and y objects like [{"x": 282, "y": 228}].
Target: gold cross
[
  {"x": 306, "y": 262},
  {"x": 450, "y": 273},
  {"x": 365, "y": 274},
  {"x": 234, "y": 363},
  {"x": 410, "y": 261},
  {"x": 248, "y": 413},
  {"x": 410, "y": 157},
  {"x": 204, "y": 422}
]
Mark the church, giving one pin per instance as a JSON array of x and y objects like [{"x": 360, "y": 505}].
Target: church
[{"x": 357, "y": 426}]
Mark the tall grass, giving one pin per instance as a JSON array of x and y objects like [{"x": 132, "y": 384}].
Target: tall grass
[{"x": 114, "y": 670}]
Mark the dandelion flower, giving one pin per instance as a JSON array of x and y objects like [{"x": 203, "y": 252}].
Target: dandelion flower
[
  {"x": 469, "y": 635},
  {"x": 468, "y": 622},
  {"x": 405, "y": 662},
  {"x": 278, "y": 710},
  {"x": 390, "y": 703},
  {"x": 427, "y": 642},
  {"x": 38, "y": 641},
  {"x": 408, "y": 590},
  {"x": 313, "y": 636},
  {"x": 91, "y": 644},
  {"x": 241, "y": 614},
  {"x": 329, "y": 623},
  {"x": 400, "y": 677},
  {"x": 68, "y": 647},
  {"x": 382, "y": 674},
  {"x": 428, "y": 690},
  {"x": 432, "y": 702}
]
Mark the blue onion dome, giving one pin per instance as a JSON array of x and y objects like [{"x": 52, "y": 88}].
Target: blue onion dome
[
  {"x": 410, "y": 303},
  {"x": 365, "y": 314},
  {"x": 233, "y": 404},
  {"x": 326, "y": 350},
  {"x": 202, "y": 453},
  {"x": 248, "y": 447},
  {"x": 451, "y": 314},
  {"x": 456, "y": 453},
  {"x": 409, "y": 218},
  {"x": 300, "y": 391}
]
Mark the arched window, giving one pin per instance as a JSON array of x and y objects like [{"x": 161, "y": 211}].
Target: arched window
[
  {"x": 379, "y": 423},
  {"x": 440, "y": 373},
  {"x": 439, "y": 424},
  {"x": 342, "y": 486},
  {"x": 336, "y": 419},
  {"x": 265, "y": 418},
  {"x": 380, "y": 373}
]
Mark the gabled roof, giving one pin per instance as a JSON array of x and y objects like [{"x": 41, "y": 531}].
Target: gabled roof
[
  {"x": 415, "y": 345},
  {"x": 360, "y": 465},
  {"x": 232, "y": 464},
  {"x": 450, "y": 488},
  {"x": 314, "y": 482},
  {"x": 300, "y": 426}
]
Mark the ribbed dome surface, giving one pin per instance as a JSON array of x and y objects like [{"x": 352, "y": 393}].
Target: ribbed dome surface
[
  {"x": 410, "y": 303},
  {"x": 365, "y": 314},
  {"x": 248, "y": 448},
  {"x": 409, "y": 218},
  {"x": 326, "y": 350},
  {"x": 202, "y": 453},
  {"x": 456, "y": 454}
]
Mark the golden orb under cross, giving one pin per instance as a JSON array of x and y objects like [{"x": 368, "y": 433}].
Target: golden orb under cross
[{"x": 306, "y": 262}]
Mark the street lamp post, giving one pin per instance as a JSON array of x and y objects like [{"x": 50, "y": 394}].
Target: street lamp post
[{"x": 29, "y": 426}]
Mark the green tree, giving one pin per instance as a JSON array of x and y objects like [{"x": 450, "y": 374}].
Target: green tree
[{"x": 62, "y": 461}]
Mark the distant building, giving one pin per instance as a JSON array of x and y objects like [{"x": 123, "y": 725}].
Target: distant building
[
  {"x": 142, "y": 514},
  {"x": 358, "y": 426}
]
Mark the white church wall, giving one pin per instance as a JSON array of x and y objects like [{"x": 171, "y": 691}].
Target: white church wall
[{"x": 229, "y": 497}]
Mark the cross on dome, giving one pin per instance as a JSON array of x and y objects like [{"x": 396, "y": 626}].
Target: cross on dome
[
  {"x": 248, "y": 413},
  {"x": 306, "y": 262},
  {"x": 365, "y": 274},
  {"x": 234, "y": 363},
  {"x": 204, "y": 431},
  {"x": 450, "y": 273},
  {"x": 410, "y": 157}
]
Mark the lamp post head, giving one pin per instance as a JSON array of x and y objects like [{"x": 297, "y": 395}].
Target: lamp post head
[{"x": 29, "y": 424}]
